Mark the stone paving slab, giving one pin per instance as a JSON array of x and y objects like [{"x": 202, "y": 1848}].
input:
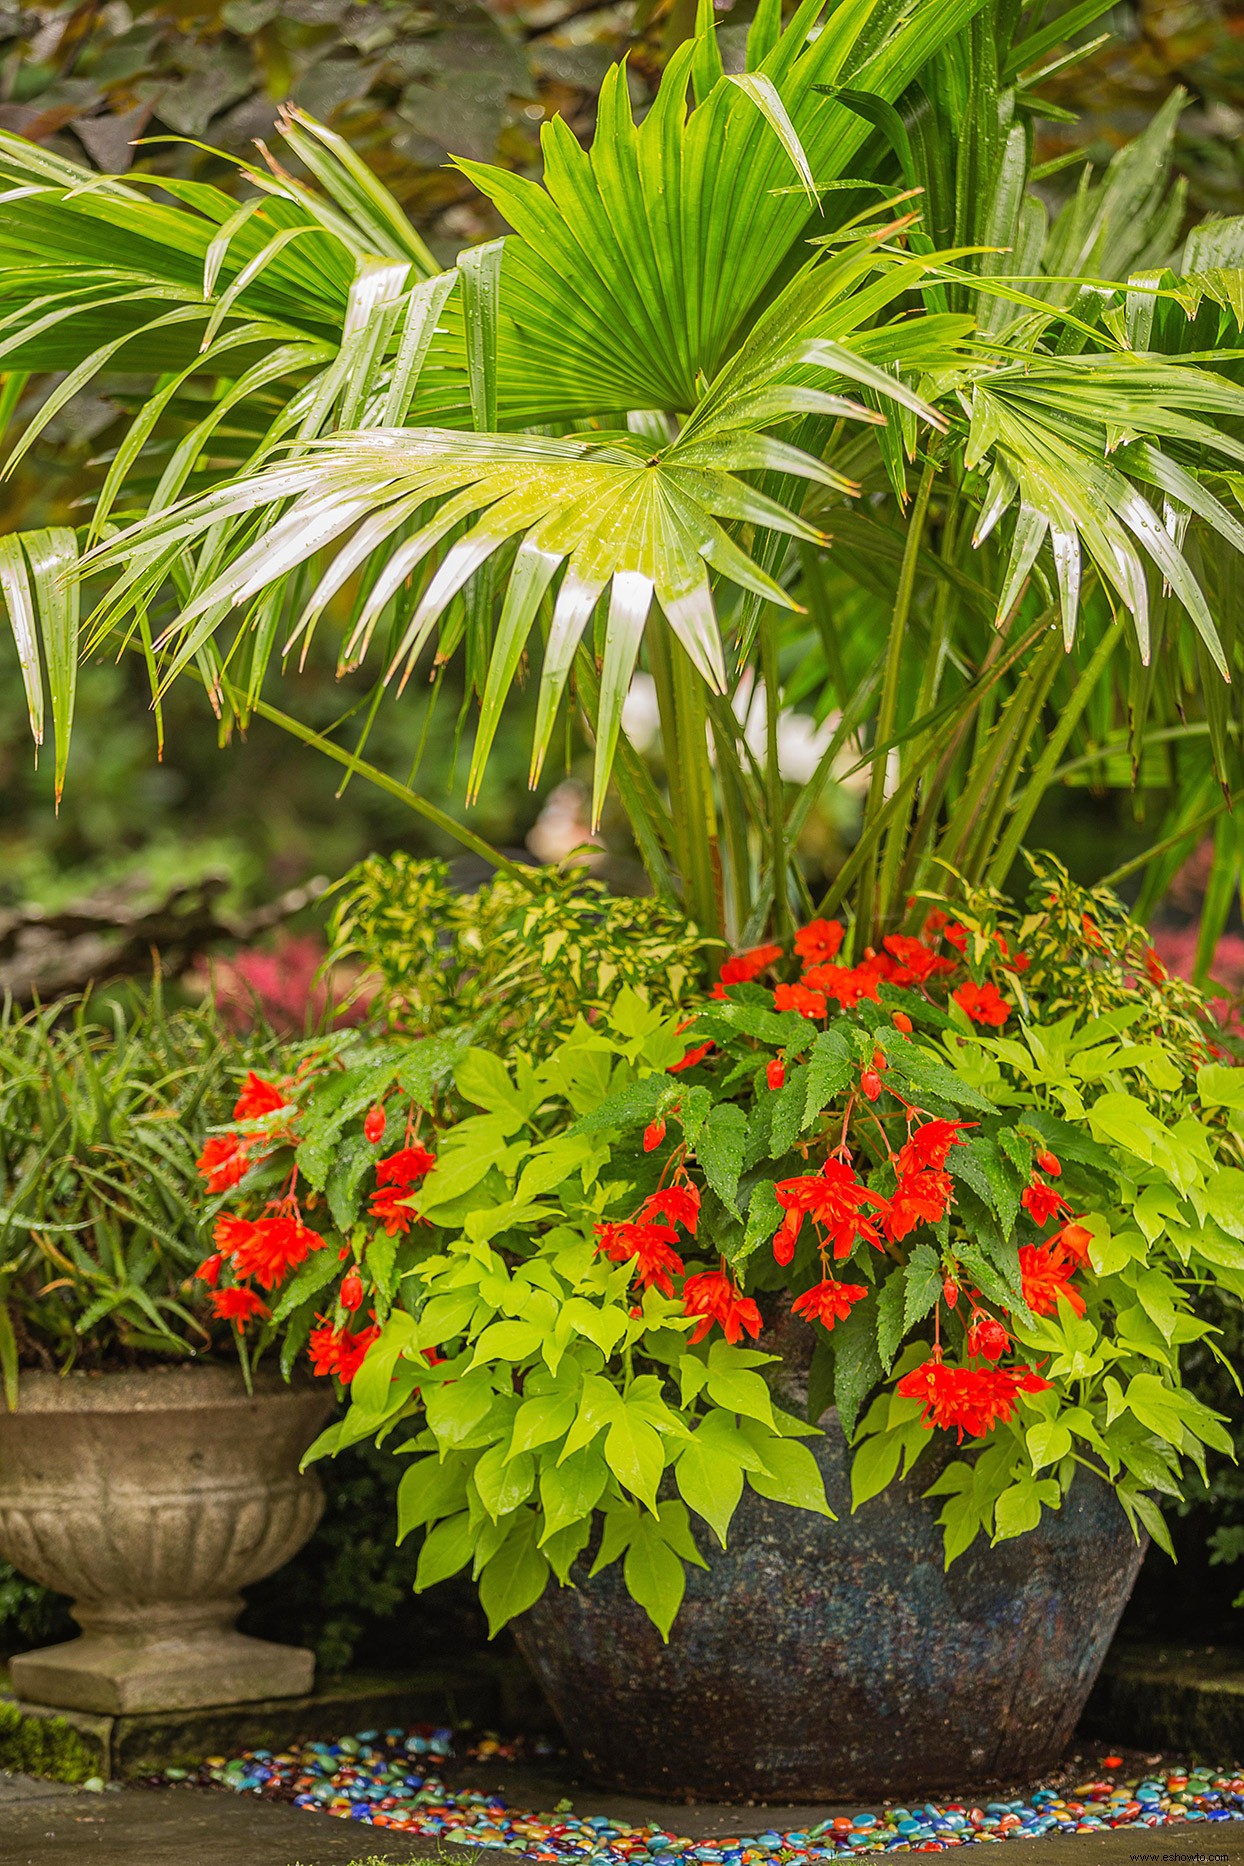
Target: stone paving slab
[{"x": 187, "y": 1827}]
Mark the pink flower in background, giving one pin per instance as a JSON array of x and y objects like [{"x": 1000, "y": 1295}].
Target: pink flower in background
[
  {"x": 1176, "y": 948},
  {"x": 277, "y": 983}
]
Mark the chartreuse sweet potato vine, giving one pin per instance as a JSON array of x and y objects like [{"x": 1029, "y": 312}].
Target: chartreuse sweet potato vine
[{"x": 989, "y": 1167}]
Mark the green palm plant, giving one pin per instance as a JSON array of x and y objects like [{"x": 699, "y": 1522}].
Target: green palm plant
[{"x": 815, "y": 296}]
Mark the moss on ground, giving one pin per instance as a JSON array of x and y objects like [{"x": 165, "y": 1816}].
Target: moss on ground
[{"x": 46, "y": 1746}]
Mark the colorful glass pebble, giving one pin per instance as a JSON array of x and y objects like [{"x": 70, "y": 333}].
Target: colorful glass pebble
[{"x": 394, "y": 1779}]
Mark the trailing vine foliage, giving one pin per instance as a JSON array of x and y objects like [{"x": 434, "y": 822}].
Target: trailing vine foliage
[{"x": 996, "y": 1207}]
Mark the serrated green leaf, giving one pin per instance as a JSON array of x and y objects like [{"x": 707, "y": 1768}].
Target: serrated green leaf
[
  {"x": 857, "y": 1366},
  {"x": 831, "y": 1069},
  {"x": 924, "y": 1285},
  {"x": 764, "y": 1215},
  {"x": 892, "y": 1321},
  {"x": 788, "y": 1112},
  {"x": 720, "y": 1151},
  {"x": 319, "y": 1269}
]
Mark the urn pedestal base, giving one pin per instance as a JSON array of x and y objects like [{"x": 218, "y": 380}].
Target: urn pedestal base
[
  {"x": 161, "y": 1658},
  {"x": 151, "y": 1499}
]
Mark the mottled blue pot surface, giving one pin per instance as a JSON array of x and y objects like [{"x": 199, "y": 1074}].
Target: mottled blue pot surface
[{"x": 823, "y": 1661}]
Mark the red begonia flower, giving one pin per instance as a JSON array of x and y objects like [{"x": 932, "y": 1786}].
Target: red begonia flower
[
  {"x": 224, "y": 1161},
  {"x": 828, "y": 1301},
  {"x": 1074, "y": 1241},
  {"x": 693, "y": 1056},
  {"x": 258, "y": 1098},
  {"x": 968, "y": 1399},
  {"x": 988, "y": 1338},
  {"x": 680, "y": 1204},
  {"x": 929, "y": 1145},
  {"x": 269, "y": 1248},
  {"x": 1045, "y": 1274},
  {"x": 337, "y": 1351},
  {"x": 714, "y": 1299},
  {"x": 834, "y": 1199},
  {"x": 238, "y": 1305},
  {"x": 1041, "y": 1202},
  {"x": 405, "y": 1168},
  {"x": 389, "y": 1208},
  {"x": 648, "y": 1246},
  {"x": 918, "y": 1199}
]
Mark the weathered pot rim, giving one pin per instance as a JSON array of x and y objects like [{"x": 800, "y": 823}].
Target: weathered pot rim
[{"x": 179, "y": 1388}]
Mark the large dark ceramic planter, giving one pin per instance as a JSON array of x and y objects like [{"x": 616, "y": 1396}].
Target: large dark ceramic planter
[{"x": 821, "y": 1661}]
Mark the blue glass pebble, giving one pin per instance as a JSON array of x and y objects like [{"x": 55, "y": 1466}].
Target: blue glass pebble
[{"x": 369, "y": 1777}]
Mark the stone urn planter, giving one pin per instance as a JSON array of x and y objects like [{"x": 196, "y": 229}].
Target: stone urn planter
[
  {"x": 830, "y": 1661},
  {"x": 151, "y": 1498}
]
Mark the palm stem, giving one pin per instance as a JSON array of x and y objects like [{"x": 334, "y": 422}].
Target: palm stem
[
  {"x": 779, "y": 848},
  {"x": 1022, "y": 722},
  {"x": 703, "y": 840},
  {"x": 1013, "y": 727},
  {"x": 440, "y": 819},
  {"x": 913, "y": 874},
  {"x": 887, "y": 710},
  {"x": 649, "y": 821},
  {"x": 1184, "y": 835},
  {"x": 1044, "y": 770},
  {"x": 689, "y": 777}
]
